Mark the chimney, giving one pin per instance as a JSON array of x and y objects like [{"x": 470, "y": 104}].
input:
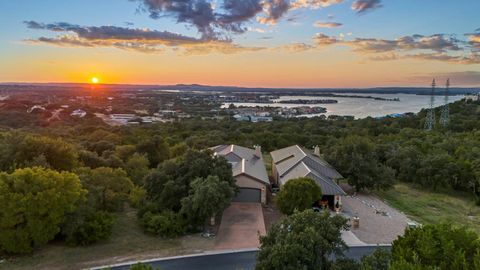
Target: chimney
[
  {"x": 316, "y": 151},
  {"x": 258, "y": 151}
]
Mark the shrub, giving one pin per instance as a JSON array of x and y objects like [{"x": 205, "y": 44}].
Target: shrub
[
  {"x": 166, "y": 223},
  {"x": 137, "y": 196},
  {"x": 94, "y": 227},
  {"x": 141, "y": 266}
]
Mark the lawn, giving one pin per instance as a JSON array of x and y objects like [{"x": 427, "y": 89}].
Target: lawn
[
  {"x": 127, "y": 243},
  {"x": 429, "y": 207}
]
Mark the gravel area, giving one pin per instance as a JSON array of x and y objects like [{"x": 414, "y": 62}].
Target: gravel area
[{"x": 379, "y": 223}]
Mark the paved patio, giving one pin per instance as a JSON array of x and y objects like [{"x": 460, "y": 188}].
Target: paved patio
[
  {"x": 241, "y": 225},
  {"x": 379, "y": 223}
]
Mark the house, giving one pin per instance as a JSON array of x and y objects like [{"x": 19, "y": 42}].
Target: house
[
  {"x": 249, "y": 171},
  {"x": 295, "y": 161},
  {"x": 79, "y": 113}
]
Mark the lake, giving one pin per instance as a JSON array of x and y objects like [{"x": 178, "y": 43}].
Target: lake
[{"x": 363, "y": 107}]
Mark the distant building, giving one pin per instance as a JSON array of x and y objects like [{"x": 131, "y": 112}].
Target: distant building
[
  {"x": 473, "y": 97},
  {"x": 79, "y": 113},
  {"x": 249, "y": 171},
  {"x": 122, "y": 118},
  {"x": 36, "y": 108},
  {"x": 255, "y": 118},
  {"x": 241, "y": 117}
]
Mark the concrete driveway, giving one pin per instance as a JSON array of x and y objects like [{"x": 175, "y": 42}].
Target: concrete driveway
[
  {"x": 241, "y": 225},
  {"x": 379, "y": 222}
]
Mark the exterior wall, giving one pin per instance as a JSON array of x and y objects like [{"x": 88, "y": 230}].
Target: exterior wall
[
  {"x": 274, "y": 173},
  {"x": 248, "y": 182}
]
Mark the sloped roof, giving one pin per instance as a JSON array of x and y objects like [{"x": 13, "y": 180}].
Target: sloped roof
[
  {"x": 295, "y": 161},
  {"x": 244, "y": 161}
]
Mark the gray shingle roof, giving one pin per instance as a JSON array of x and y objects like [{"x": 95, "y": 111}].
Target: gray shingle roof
[
  {"x": 244, "y": 161},
  {"x": 295, "y": 161}
]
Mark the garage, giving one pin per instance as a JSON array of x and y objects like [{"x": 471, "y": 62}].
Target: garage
[{"x": 249, "y": 195}]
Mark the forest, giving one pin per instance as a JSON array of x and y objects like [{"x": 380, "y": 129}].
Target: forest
[{"x": 67, "y": 181}]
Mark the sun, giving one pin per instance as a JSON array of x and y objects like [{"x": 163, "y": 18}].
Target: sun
[{"x": 95, "y": 80}]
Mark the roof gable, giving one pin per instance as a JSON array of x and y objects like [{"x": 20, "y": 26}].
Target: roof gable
[
  {"x": 295, "y": 161},
  {"x": 244, "y": 161}
]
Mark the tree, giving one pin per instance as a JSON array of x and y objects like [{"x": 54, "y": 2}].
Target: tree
[
  {"x": 155, "y": 148},
  {"x": 137, "y": 196},
  {"x": 34, "y": 202},
  {"x": 379, "y": 260},
  {"x": 355, "y": 157},
  {"x": 303, "y": 240},
  {"x": 137, "y": 167},
  {"x": 59, "y": 154},
  {"x": 108, "y": 188},
  {"x": 88, "y": 227},
  {"x": 208, "y": 196},
  {"x": 167, "y": 185},
  {"x": 441, "y": 247},
  {"x": 298, "y": 194}
]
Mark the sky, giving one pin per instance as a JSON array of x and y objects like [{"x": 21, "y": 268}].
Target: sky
[{"x": 253, "y": 43}]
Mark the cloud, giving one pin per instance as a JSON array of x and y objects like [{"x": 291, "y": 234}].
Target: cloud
[
  {"x": 322, "y": 40},
  {"x": 439, "y": 47},
  {"x": 470, "y": 59},
  {"x": 320, "y": 24},
  {"x": 474, "y": 40},
  {"x": 364, "y": 6},
  {"x": 131, "y": 39},
  {"x": 256, "y": 29},
  {"x": 314, "y": 4},
  {"x": 238, "y": 12},
  {"x": 115, "y": 33},
  {"x": 295, "y": 47},
  {"x": 198, "y": 13},
  {"x": 224, "y": 17},
  {"x": 437, "y": 43},
  {"x": 274, "y": 10}
]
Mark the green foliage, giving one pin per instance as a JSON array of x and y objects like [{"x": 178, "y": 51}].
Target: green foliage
[
  {"x": 298, "y": 194},
  {"x": 155, "y": 148},
  {"x": 167, "y": 185},
  {"x": 137, "y": 167},
  {"x": 379, "y": 260},
  {"x": 437, "y": 247},
  {"x": 34, "y": 203},
  {"x": 303, "y": 240},
  {"x": 166, "y": 223},
  {"x": 141, "y": 266},
  {"x": 208, "y": 196},
  {"x": 137, "y": 196},
  {"x": 91, "y": 159},
  {"x": 355, "y": 158},
  {"x": 88, "y": 227},
  {"x": 345, "y": 264},
  {"x": 19, "y": 150},
  {"x": 107, "y": 187}
]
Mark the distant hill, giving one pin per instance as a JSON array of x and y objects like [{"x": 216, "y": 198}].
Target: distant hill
[{"x": 208, "y": 88}]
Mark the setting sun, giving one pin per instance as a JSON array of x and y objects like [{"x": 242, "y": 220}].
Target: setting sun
[{"x": 95, "y": 80}]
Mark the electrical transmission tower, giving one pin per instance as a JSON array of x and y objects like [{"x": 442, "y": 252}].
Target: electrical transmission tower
[
  {"x": 430, "y": 121},
  {"x": 445, "y": 117}
]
